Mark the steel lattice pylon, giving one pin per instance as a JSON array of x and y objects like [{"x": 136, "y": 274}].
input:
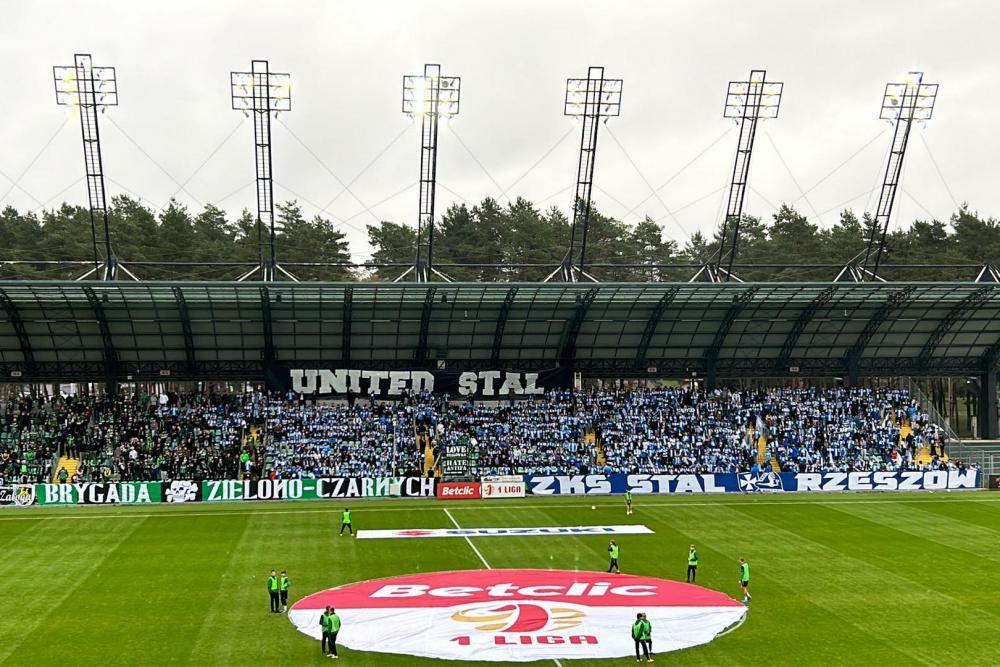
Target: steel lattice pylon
[
  {"x": 90, "y": 90},
  {"x": 431, "y": 97},
  {"x": 747, "y": 102},
  {"x": 591, "y": 99},
  {"x": 259, "y": 93},
  {"x": 903, "y": 104}
]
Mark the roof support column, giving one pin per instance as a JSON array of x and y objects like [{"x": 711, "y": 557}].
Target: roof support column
[
  {"x": 989, "y": 428},
  {"x": 110, "y": 356}
]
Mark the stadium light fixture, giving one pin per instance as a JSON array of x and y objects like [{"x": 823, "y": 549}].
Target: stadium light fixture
[
  {"x": 431, "y": 93},
  {"x": 913, "y": 100}
]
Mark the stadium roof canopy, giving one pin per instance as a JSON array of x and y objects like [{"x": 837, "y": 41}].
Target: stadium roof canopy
[{"x": 74, "y": 331}]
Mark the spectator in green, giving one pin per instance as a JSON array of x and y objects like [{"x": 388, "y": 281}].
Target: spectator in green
[{"x": 63, "y": 475}]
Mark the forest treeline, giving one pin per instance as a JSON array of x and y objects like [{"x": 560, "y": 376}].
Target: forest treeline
[{"x": 488, "y": 233}]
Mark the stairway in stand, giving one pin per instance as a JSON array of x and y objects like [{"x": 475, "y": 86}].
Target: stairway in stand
[
  {"x": 424, "y": 442},
  {"x": 762, "y": 452},
  {"x": 71, "y": 466},
  {"x": 591, "y": 440}
]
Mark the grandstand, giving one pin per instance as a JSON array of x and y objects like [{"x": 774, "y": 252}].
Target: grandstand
[{"x": 716, "y": 334}]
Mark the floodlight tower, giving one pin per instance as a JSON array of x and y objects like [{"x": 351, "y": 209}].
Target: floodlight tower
[
  {"x": 591, "y": 99},
  {"x": 431, "y": 97},
  {"x": 902, "y": 105},
  {"x": 747, "y": 102},
  {"x": 259, "y": 93},
  {"x": 91, "y": 90}
]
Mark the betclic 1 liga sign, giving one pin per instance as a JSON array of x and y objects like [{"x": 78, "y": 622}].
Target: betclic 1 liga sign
[{"x": 518, "y": 615}]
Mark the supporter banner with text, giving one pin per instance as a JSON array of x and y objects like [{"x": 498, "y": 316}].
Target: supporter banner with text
[
  {"x": 113, "y": 493},
  {"x": 771, "y": 482},
  {"x": 318, "y": 489},
  {"x": 320, "y": 381}
]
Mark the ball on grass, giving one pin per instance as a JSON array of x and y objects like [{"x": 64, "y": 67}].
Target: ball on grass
[{"x": 593, "y": 507}]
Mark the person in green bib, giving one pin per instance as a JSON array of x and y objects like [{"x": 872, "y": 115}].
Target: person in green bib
[
  {"x": 613, "y": 549},
  {"x": 628, "y": 501},
  {"x": 692, "y": 574},
  {"x": 283, "y": 587},
  {"x": 745, "y": 580},
  {"x": 641, "y": 635},
  {"x": 272, "y": 591},
  {"x": 329, "y": 623},
  {"x": 345, "y": 522}
]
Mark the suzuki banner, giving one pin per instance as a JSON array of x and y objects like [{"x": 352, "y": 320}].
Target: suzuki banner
[
  {"x": 915, "y": 480},
  {"x": 318, "y": 489}
]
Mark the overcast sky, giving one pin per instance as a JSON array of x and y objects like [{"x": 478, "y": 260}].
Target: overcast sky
[{"x": 347, "y": 60}]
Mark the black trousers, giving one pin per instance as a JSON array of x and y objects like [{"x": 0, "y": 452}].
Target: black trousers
[
  {"x": 274, "y": 601},
  {"x": 284, "y": 598},
  {"x": 692, "y": 572},
  {"x": 348, "y": 527},
  {"x": 645, "y": 648},
  {"x": 614, "y": 564},
  {"x": 330, "y": 642}
]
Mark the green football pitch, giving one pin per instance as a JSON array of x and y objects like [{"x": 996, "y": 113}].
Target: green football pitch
[{"x": 837, "y": 579}]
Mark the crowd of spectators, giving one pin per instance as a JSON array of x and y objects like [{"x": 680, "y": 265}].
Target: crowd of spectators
[{"x": 673, "y": 430}]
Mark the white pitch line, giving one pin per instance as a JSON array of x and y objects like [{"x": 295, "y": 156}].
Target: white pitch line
[
  {"x": 485, "y": 564},
  {"x": 31, "y": 514}
]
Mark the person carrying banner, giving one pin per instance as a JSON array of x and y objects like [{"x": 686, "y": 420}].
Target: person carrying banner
[
  {"x": 283, "y": 584},
  {"x": 346, "y": 522},
  {"x": 326, "y": 625},
  {"x": 692, "y": 573},
  {"x": 272, "y": 591},
  {"x": 334, "y": 629},
  {"x": 614, "y": 550}
]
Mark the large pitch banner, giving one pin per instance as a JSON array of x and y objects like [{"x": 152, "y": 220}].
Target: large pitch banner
[
  {"x": 114, "y": 493},
  {"x": 916, "y": 480},
  {"x": 518, "y": 615},
  {"x": 318, "y": 489}
]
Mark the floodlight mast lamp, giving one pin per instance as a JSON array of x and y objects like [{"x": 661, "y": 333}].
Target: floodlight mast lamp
[
  {"x": 590, "y": 99},
  {"x": 903, "y": 104},
  {"x": 430, "y": 97},
  {"x": 90, "y": 90},
  {"x": 747, "y": 102},
  {"x": 259, "y": 93}
]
